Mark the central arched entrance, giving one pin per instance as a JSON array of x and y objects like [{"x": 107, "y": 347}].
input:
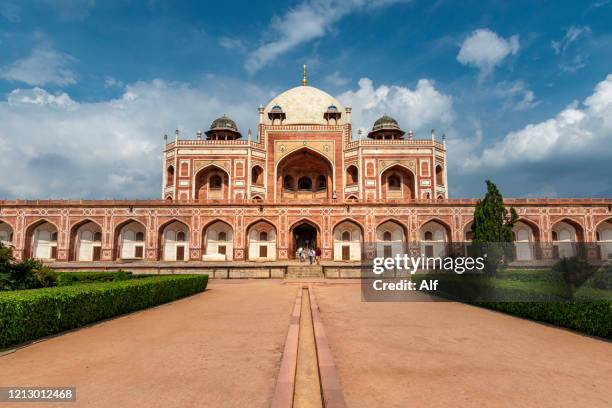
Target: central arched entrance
[
  {"x": 304, "y": 234},
  {"x": 304, "y": 175}
]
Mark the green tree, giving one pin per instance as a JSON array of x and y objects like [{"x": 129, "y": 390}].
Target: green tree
[{"x": 492, "y": 229}]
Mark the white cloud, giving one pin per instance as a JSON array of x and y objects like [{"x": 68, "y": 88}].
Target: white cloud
[
  {"x": 38, "y": 96},
  {"x": 516, "y": 95},
  {"x": 580, "y": 131},
  {"x": 232, "y": 44},
  {"x": 112, "y": 82},
  {"x": 43, "y": 66},
  {"x": 53, "y": 146},
  {"x": 570, "y": 50},
  {"x": 484, "y": 49},
  {"x": 572, "y": 35},
  {"x": 308, "y": 20},
  {"x": 413, "y": 109}
]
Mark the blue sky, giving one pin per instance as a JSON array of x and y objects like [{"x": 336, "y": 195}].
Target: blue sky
[{"x": 521, "y": 88}]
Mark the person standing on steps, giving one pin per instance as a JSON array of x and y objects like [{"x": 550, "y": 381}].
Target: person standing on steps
[
  {"x": 311, "y": 255},
  {"x": 318, "y": 255}
]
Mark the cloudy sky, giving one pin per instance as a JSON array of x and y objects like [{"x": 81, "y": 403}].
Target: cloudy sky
[{"x": 522, "y": 90}]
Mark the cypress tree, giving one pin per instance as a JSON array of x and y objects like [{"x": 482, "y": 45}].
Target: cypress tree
[{"x": 492, "y": 228}]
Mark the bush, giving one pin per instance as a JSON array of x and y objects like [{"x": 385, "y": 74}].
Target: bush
[
  {"x": 28, "y": 274},
  {"x": 602, "y": 279},
  {"x": 46, "y": 276},
  {"x": 72, "y": 278},
  {"x": 32, "y": 314},
  {"x": 575, "y": 271}
]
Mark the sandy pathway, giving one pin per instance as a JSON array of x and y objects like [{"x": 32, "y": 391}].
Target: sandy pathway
[
  {"x": 453, "y": 355},
  {"x": 219, "y": 348}
]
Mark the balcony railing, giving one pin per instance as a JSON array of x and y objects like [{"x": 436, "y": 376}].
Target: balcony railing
[{"x": 443, "y": 202}]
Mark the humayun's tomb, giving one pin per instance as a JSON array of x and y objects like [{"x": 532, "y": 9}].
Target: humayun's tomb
[{"x": 303, "y": 181}]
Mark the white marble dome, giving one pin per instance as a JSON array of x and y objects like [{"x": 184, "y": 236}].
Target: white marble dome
[{"x": 304, "y": 105}]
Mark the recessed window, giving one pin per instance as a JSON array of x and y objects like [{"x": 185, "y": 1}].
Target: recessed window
[
  {"x": 321, "y": 182},
  {"x": 180, "y": 236},
  {"x": 215, "y": 182},
  {"x": 346, "y": 236},
  {"x": 305, "y": 183},
  {"x": 394, "y": 182},
  {"x": 222, "y": 236},
  {"x": 263, "y": 236},
  {"x": 387, "y": 236}
]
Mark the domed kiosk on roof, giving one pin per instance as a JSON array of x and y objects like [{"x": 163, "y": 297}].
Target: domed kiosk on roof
[
  {"x": 223, "y": 128},
  {"x": 386, "y": 127}
]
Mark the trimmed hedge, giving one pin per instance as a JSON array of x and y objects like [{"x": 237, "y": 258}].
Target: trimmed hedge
[
  {"x": 590, "y": 312},
  {"x": 594, "y": 318},
  {"x": 73, "y": 278},
  {"x": 31, "y": 314}
]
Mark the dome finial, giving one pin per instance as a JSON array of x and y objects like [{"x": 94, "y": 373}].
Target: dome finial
[{"x": 304, "y": 80}]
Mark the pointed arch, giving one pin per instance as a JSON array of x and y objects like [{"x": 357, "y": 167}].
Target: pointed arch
[
  {"x": 261, "y": 238},
  {"x": 435, "y": 237},
  {"x": 211, "y": 182},
  {"x": 467, "y": 227},
  {"x": 395, "y": 221},
  {"x": 47, "y": 245},
  {"x": 567, "y": 235},
  {"x": 397, "y": 181},
  {"x": 7, "y": 233},
  {"x": 170, "y": 175},
  {"x": 126, "y": 244},
  {"x": 296, "y": 241},
  {"x": 291, "y": 169},
  {"x": 257, "y": 175},
  {"x": 526, "y": 235},
  {"x": 218, "y": 240},
  {"x": 352, "y": 175},
  {"x": 443, "y": 223},
  {"x": 173, "y": 238},
  {"x": 603, "y": 237},
  {"x": 348, "y": 238},
  {"x": 391, "y": 238},
  {"x": 73, "y": 243}
]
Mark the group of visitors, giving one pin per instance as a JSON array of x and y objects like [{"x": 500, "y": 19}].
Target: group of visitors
[{"x": 313, "y": 254}]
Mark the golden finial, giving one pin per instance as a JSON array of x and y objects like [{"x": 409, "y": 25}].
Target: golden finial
[{"x": 304, "y": 80}]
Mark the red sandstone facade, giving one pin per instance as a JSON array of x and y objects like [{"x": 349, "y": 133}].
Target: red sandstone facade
[{"x": 304, "y": 182}]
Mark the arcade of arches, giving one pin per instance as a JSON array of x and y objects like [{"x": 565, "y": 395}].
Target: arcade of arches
[{"x": 344, "y": 235}]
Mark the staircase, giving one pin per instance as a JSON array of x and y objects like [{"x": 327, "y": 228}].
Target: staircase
[{"x": 304, "y": 271}]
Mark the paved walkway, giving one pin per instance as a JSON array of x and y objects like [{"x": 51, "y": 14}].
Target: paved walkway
[
  {"x": 222, "y": 348},
  {"x": 443, "y": 354}
]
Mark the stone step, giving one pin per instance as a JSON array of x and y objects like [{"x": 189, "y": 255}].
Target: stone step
[{"x": 305, "y": 271}]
